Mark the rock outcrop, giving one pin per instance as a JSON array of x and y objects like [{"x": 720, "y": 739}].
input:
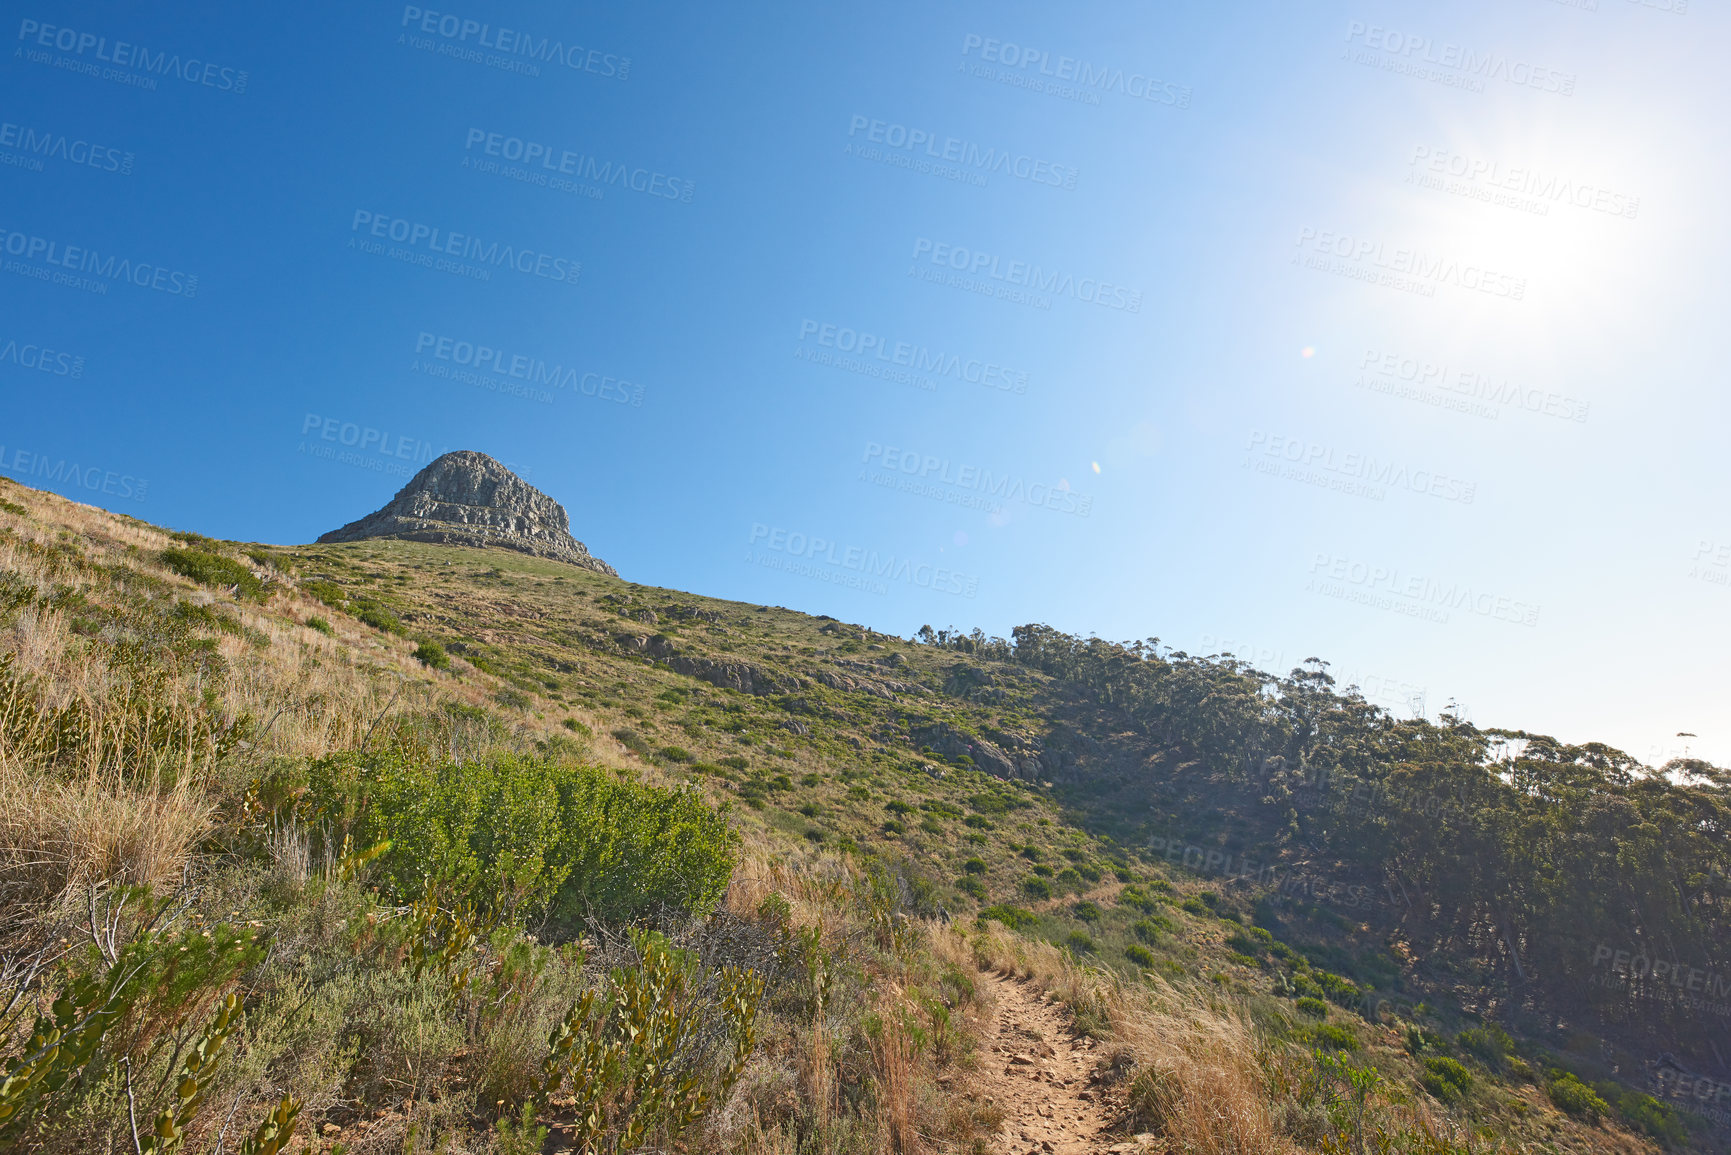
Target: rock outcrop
[{"x": 467, "y": 498}]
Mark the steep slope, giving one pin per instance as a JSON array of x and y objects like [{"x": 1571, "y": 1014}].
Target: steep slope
[{"x": 1050, "y": 830}]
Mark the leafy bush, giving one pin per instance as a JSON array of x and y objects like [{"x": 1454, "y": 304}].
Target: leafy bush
[
  {"x": 1193, "y": 906},
  {"x": 970, "y": 885},
  {"x": 1575, "y": 1097},
  {"x": 1013, "y": 917},
  {"x": 1148, "y": 929},
  {"x": 978, "y": 822},
  {"x": 649, "y": 1054},
  {"x": 1080, "y": 941},
  {"x": 378, "y": 617},
  {"x": 317, "y": 623},
  {"x": 735, "y": 761},
  {"x": 330, "y": 593},
  {"x": 431, "y": 653},
  {"x": 1140, "y": 955},
  {"x": 674, "y": 753},
  {"x": 1244, "y": 944},
  {"x": 1334, "y": 1037},
  {"x": 1445, "y": 1078},
  {"x": 1315, "y": 1008},
  {"x": 1338, "y": 989},
  {"x": 1036, "y": 888},
  {"x": 1489, "y": 1044},
  {"x": 975, "y": 866},
  {"x": 214, "y": 569},
  {"x": 1645, "y": 1113},
  {"x": 521, "y": 833},
  {"x": 1086, "y": 911},
  {"x": 577, "y": 728},
  {"x": 1042, "y": 870}
]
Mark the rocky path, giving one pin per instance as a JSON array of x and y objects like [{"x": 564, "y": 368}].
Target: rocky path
[{"x": 1033, "y": 1067}]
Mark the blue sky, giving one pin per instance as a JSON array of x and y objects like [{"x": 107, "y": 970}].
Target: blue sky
[{"x": 1377, "y": 332}]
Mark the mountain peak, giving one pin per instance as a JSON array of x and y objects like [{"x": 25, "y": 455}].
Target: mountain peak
[{"x": 467, "y": 498}]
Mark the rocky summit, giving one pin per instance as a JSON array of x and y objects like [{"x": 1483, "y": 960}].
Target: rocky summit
[{"x": 468, "y": 498}]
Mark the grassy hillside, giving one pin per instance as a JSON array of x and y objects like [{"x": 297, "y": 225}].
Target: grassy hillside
[{"x": 482, "y": 844}]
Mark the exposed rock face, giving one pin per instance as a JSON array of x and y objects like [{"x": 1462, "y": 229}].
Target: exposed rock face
[{"x": 467, "y": 498}]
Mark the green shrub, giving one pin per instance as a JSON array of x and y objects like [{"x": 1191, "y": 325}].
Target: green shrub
[
  {"x": 1140, "y": 955},
  {"x": 214, "y": 569},
  {"x": 1088, "y": 871},
  {"x": 1036, "y": 887},
  {"x": 1445, "y": 1078},
  {"x": 431, "y": 653},
  {"x": 1013, "y": 917},
  {"x": 378, "y": 617},
  {"x": 1645, "y": 1113},
  {"x": 970, "y": 885},
  {"x": 330, "y": 593},
  {"x": 1315, "y": 1008},
  {"x": 975, "y": 866},
  {"x": 527, "y": 834},
  {"x": 1574, "y": 1097},
  {"x": 1488, "y": 1044},
  {"x": 1244, "y": 944},
  {"x": 674, "y": 754},
  {"x": 1148, "y": 929},
  {"x": 317, "y": 623},
  {"x": 1080, "y": 941},
  {"x": 577, "y": 728},
  {"x": 1335, "y": 1038},
  {"x": 1193, "y": 906},
  {"x": 1340, "y": 990},
  {"x": 978, "y": 822},
  {"x": 1070, "y": 876},
  {"x": 735, "y": 761},
  {"x": 1086, "y": 911}
]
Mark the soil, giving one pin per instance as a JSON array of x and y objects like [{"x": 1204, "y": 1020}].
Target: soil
[{"x": 1047, "y": 1079}]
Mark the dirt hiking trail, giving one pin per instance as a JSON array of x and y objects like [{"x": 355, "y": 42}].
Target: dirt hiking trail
[{"x": 1033, "y": 1066}]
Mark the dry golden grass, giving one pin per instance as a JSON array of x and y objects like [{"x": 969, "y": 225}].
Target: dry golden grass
[{"x": 58, "y": 836}]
